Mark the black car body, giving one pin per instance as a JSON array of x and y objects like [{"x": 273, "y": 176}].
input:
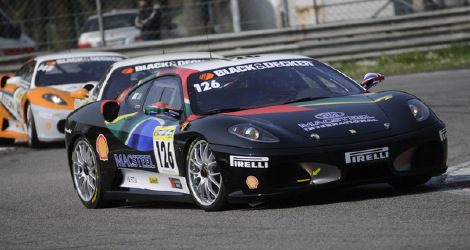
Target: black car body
[{"x": 249, "y": 129}]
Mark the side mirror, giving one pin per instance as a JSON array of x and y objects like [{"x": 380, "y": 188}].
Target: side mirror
[
  {"x": 160, "y": 108},
  {"x": 3, "y": 80},
  {"x": 79, "y": 94},
  {"x": 110, "y": 110},
  {"x": 90, "y": 85},
  {"x": 371, "y": 79},
  {"x": 18, "y": 81}
]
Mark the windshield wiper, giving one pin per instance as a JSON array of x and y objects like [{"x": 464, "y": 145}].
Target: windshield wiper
[
  {"x": 307, "y": 99},
  {"x": 218, "y": 111}
]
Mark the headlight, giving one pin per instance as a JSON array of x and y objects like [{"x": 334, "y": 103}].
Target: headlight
[
  {"x": 418, "y": 109},
  {"x": 252, "y": 133},
  {"x": 54, "y": 99}
]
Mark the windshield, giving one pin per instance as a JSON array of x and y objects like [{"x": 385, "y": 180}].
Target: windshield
[
  {"x": 111, "y": 22},
  {"x": 73, "y": 70},
  {"x": 123, "y": 77},
  {"x": 265, "y": 84}
]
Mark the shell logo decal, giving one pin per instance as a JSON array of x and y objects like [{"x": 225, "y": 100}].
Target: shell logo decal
[
  {"x": 102, "y": 147},
  {"x": 252, "y": 182}
]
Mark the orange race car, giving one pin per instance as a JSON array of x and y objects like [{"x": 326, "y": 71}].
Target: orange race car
[{"x": 36, "y": 100}]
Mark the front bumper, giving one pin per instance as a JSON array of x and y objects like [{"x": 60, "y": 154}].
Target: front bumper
[
  {"x": 296, "y": 170},
  {"x": 50, "y": 123}
]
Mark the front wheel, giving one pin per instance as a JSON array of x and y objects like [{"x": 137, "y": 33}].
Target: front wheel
[
  {"x": 33, "y": 140},
  {"x": 204, "y": 177},
  {"x": 86, "y": 175}
]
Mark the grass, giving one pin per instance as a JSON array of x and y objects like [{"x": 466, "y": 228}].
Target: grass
[{"x": 455, "y": 56}]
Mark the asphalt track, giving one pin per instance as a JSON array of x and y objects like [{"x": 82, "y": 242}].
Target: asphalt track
[{"x": 39, "y": 208}]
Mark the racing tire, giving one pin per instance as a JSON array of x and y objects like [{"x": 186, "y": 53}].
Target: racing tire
[
  {"x": 7, "y": 141},
  {"x": 33, "y": 140},
  {"x": 87, "y": 176},
  {"x": 409, "y": 181},
  {"x": 204, "y": 177}
]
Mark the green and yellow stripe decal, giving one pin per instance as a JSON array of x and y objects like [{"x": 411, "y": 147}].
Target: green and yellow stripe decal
[{"x": 120, "y": 118}]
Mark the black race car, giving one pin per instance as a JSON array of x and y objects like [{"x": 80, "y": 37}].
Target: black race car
[{"x": 249, "y": 129}]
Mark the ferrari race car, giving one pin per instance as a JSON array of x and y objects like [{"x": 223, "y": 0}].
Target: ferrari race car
[
  {"x": 249, "y": 130},
  {"x": 35, "y": 102},
  {"x": 123, "y": 74}
]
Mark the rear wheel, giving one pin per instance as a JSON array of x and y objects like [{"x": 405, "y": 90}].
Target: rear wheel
[
  {"x": 409, "y": 181},
  {"x": 33, "y": 140},
  {"x": 87, "y": 176},
  {"x": 204, "y": 177}
]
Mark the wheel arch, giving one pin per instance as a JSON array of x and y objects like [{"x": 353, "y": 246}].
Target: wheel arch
[
  {"x": 186, "y": 148},
  {"x": 24, "y": 109},
  {"x": 69, "y": 151}
]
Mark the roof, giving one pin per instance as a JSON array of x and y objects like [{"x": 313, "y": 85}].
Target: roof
[
  {"x": 165, "y": 57},
  {"x": 214, "y": 64},
  {"x": 76, "y": 54}
]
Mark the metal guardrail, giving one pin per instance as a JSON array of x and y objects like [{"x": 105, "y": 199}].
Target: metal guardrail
[{"x": 332, "y": 41}]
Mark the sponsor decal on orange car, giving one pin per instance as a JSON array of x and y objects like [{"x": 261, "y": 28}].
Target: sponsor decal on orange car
[{"x": 14, "y": 131}]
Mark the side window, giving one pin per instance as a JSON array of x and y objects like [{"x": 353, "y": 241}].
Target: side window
[
  {"x": 96, "y": 89},
  {"x": 26, "y": 72},
  {"x": 165, "y": 89},
  {"x": 136, "y": 98}
]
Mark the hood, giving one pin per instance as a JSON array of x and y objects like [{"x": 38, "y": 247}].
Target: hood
[
  {"x": 326, "y": 118},
  {"x": 37, "y": 95}
]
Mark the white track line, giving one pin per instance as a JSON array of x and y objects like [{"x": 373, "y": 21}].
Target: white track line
[{"x": 456, "y": 179}]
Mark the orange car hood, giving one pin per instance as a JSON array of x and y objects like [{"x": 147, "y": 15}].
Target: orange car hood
[{"x": 35, "y": 97}]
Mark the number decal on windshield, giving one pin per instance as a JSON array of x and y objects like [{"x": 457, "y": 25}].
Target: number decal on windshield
[{"x": 206, "y": 86}]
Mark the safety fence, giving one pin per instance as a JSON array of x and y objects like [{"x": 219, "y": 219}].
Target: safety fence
[
  {"x": 335, "y": 40},
  {"x": 55, "y": 25}
]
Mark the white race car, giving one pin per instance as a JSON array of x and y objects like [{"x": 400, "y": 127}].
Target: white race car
[
  {"x": 119, "y": 29},
  {"x": 36, "y": 100},
  {"x": 121, "y": 75}
]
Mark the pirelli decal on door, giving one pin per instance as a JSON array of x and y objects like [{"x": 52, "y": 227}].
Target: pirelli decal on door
[
  {"x": 164, "y": 150},
  {"x": 367, "y": 155}
]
